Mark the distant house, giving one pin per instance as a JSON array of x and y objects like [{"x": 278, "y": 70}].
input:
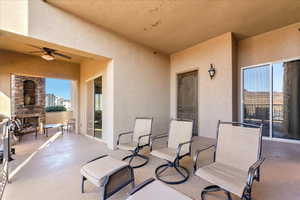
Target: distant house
[
  {"x": 67, "y": 104},
  {"x": 50, "y": 100}
]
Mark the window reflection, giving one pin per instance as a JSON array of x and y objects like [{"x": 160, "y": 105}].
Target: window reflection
[
  {"x": 98, "y": 107},
  {"x": 286, "y": 97},
  {"x": 256, "y": 94}
]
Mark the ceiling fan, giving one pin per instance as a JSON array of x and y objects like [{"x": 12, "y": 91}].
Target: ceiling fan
[{"x": 48, "y": 53}]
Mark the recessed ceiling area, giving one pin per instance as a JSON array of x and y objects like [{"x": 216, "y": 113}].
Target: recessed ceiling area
[
  {"x": 173, "y": 25},
  {"x": 22, "y": 44}
]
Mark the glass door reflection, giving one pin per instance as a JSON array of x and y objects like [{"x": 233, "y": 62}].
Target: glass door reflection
[
  {"x": 286, "y": 100},
  {"x": 256, "y": 97},
  {"x": 98, "y": 107}
]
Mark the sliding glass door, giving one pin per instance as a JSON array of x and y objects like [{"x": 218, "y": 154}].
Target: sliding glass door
[
  {"x": 286, "y": 100},
  {"x": 98, "y": 107},
  {"x": 273, "y": 92},
  {"x": 256, "y": 97},
  {"x": 94, "y": 107}
]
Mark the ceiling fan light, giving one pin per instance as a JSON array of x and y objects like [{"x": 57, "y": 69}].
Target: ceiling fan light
[{"x": 47, "y": 57}]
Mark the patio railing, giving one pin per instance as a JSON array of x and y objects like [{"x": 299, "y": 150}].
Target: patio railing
[{"x": 262, "y": 111}]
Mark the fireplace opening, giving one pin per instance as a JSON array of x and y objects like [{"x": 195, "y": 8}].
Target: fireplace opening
[{"x": 31, "y": 121}]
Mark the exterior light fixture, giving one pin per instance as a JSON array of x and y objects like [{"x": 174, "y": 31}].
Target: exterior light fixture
[
  {"x": 212, "y": 71},
  {"x": 47, "y": 56}
]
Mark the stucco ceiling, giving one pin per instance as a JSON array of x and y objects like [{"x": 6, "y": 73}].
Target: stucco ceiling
[
  {"x": 22, "y": 44},
  {"x": 172, "y": 25}
]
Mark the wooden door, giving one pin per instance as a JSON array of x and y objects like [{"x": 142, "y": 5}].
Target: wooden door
[{"x": 187, "y": 98}]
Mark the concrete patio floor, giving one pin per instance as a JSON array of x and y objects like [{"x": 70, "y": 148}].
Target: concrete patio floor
[
  {"x": 27, "y": 147},
  {"x": 53, "y": 173}
]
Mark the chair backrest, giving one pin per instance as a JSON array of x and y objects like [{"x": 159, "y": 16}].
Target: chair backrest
[
  {"x": 180, "y": 131},
  {"x": 16, "y": 125},
  {"x": 238, "y": 146},
  {"x": 142, "y": 126}
]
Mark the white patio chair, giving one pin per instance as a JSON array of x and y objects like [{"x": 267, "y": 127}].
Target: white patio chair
[
  {"x": 179, "y": 146},
  {"x": 140, "y": 139},
  {"x": 237, "y": 160}
]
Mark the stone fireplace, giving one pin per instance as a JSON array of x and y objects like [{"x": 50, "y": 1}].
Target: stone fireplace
[{"x": 28, "y": 99}]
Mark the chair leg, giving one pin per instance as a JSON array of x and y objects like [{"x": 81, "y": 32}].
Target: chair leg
[
  {"x": 228, "y": 195},
  {"x": 83, "y": 179},
  {"x": 247, "y": 193},
  {"x": 130, "y": 160},
  {"x": 162, "y": 171},
  {"x": 133, "y": 155},
  {"x": 179, "y": 169},
  {"x": 257, "y": 177},
  {"x": 102, "y": 193},
  {"x": 132, "y": 184},
  {"x": 179, "y": 172},
  {"x": 214, "y": 188}
]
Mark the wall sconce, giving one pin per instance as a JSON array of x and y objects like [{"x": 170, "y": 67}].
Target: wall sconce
[{"x": 212, "y": 71}]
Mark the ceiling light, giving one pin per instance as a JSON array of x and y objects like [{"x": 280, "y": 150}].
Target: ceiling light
[{"x": 47, "y": 57}]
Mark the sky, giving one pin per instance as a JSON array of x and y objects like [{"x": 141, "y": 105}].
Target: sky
[
  {"x": 258, "y": 78},
  {"x": 58, "y": 87}
]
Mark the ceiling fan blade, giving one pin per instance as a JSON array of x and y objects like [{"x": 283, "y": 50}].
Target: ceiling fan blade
[
  {"x": 61, "y": 55},
  {"x": 34, "y": 46},
  {"x": 35, "y": 51}
]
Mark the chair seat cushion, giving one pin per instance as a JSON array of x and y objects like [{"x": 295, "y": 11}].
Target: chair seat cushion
[
  {"x": 166, "y": 153},
  {"x": 231, "y": 179},
  {"x": 96, "y": 170},
  {"x": 128, "y": 146},
  {"x": 158, "y": 191}
]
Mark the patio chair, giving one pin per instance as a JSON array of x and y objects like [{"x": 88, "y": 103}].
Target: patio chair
[
  {"x": 71, "y": 124},
  {"x": 153, "y": 189},
  {"x": 179, "y": 146},
  {"x": 19, "y": 129},
  {"x": 237, "y": 160},
  {"x": 108, "y": 174},
  {"x": 140, "y": 139}
]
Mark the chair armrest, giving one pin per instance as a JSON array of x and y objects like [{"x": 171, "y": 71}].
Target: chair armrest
[
  {"x": 97, "y": 158},
  {"x": 121, "y": 134},
  {"x": 141, "y": 185},
  {"x": 142, "y": 136},
  {"x": 156, "y": 137},
  {"x": 252, "y": 170},
  {"x": 196, "y": 157},
  {"x": 180, "y": 146}
]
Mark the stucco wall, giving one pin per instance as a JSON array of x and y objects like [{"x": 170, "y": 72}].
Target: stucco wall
[
  {"x": 277, "y": 45},
  {"x": 215, "y": 96},
  {"x": 140, "y": 83},
  {"x": 90, "y": 70},
  {"x": 21, "y": 64},
  {"x": 58, "y": 117},
  {"x": 5, "y": 94},
  {"x": 16, "y": 21}
]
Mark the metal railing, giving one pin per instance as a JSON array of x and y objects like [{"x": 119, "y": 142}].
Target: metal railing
[
  {"x": 262, "y": 111},
  {"x": 5, "y": 148}
]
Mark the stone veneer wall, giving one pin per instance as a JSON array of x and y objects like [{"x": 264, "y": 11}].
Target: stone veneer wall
[{"x": 19, "y": 110}]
